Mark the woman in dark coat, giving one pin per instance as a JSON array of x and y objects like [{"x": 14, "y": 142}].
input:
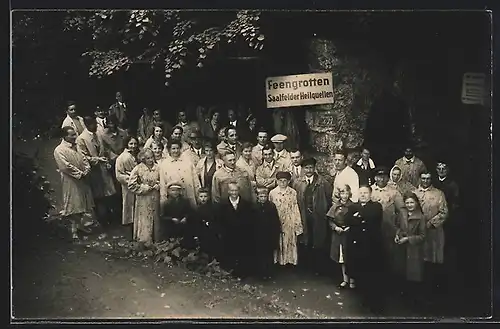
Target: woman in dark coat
[
  {"x": 410, "y": 240},
  {"x": 364, "y": 256},
  {"x": 336, "y": 216}
]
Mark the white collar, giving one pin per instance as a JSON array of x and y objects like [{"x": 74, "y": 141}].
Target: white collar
[
  {"x": 442, "y": 179},
  {"x": 259, "y": 146},
  {"x": 280, "y": 152},
  {"x": 370, "y": 163},
  {"x": 233, "y": 122},
  {"x": 90, "y": 133},
  {"x": 376, "y": 187},
  {"x": 235, "y": 202},
  {"x": 425, "y": 189},
  {"x": 268, "y": 164},
  {"x": 227, "y": 169},
  {"x": 309, "y": 179},
  {"x": 409, "y": 160}
]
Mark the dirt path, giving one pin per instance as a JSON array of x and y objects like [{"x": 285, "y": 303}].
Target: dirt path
[{"x": 56, "y": 279}]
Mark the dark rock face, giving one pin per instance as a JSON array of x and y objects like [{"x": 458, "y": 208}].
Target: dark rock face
[{"x": 342, "y": 123}]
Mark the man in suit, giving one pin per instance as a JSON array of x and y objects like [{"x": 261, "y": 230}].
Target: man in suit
[
  {"x": 240, "y": 124},
  {"x": 364, "y": 255},
  {"x": 236, "y": 215},
  {"x": 72, "y": 119},
  {"x": 119, "y": 111},
  {"x": 296, "y": 166},
  {"x": 195, "y": 152},
  {"x": 231, "y": 144}
]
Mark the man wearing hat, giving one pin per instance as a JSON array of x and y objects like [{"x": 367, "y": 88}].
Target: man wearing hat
[
  {"x": 281, "y": 155},
  {"x": 195, "y": 151},
  {"x": 453, "y": 227},
  {"x": 314, "y": 197},
  {"x": 392, "y": 203}
]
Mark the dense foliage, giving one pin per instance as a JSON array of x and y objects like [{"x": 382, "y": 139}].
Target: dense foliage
[
  {"x": 167, "y": 39},
  {"x": 30, "y": 197}
]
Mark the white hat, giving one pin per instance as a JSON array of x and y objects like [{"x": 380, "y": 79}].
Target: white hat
[{"x": 278, "y": 138}]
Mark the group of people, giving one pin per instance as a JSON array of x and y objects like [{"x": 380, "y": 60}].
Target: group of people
[{"x": 250, "y": 202}]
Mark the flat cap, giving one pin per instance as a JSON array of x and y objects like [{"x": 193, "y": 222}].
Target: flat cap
[
  {"x": 278, "y": 138},
  {"x": 174, "y": 185},
  {"x": 381, "y": 171}
]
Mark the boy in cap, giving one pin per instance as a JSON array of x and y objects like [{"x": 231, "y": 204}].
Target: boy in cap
[
  {"x": 175, "y": 212},
  {"x": 281, "y": 155}
]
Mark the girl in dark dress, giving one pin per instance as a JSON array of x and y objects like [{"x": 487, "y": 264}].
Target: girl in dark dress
[{"x": 336, "y": 217}]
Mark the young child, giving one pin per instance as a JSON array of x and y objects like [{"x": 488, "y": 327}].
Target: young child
[
  {"x": 266, "y": 233},
  {"x": 285, "y": 199},
  {"x": 336, "y": 216},
  {"x": 175, "y": 214},
  {"x": 206, "y": 226}
]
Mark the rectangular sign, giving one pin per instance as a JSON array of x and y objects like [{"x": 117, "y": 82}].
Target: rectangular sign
[
  {"x": 299, "y": 90},
  {"x": 474, "y": 88}
]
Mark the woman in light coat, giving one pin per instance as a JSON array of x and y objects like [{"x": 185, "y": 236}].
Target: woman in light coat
[{"x": 125, "y": 163}]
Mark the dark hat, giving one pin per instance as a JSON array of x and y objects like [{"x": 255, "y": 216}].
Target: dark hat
[
  {"x": 283, "y": 174},
  {"x": 308, "y": 162},
  {"x": 194, "y": 134},
  {"x": 381, "y": 171}
]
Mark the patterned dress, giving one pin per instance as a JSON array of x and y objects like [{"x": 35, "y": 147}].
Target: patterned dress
[
  {"x": 125, "y": 163},
  {"x": 285, "y": 201},
  {"x": 147, "y": 202}
]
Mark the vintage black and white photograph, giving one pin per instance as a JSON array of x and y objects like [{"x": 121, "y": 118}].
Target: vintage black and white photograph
[{"x": 250, "y": 164}]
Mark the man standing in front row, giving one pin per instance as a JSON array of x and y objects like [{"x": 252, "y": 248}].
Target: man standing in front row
[
  {"x": 314, "y": 198},
  {"x": 76, "y": 193}
]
